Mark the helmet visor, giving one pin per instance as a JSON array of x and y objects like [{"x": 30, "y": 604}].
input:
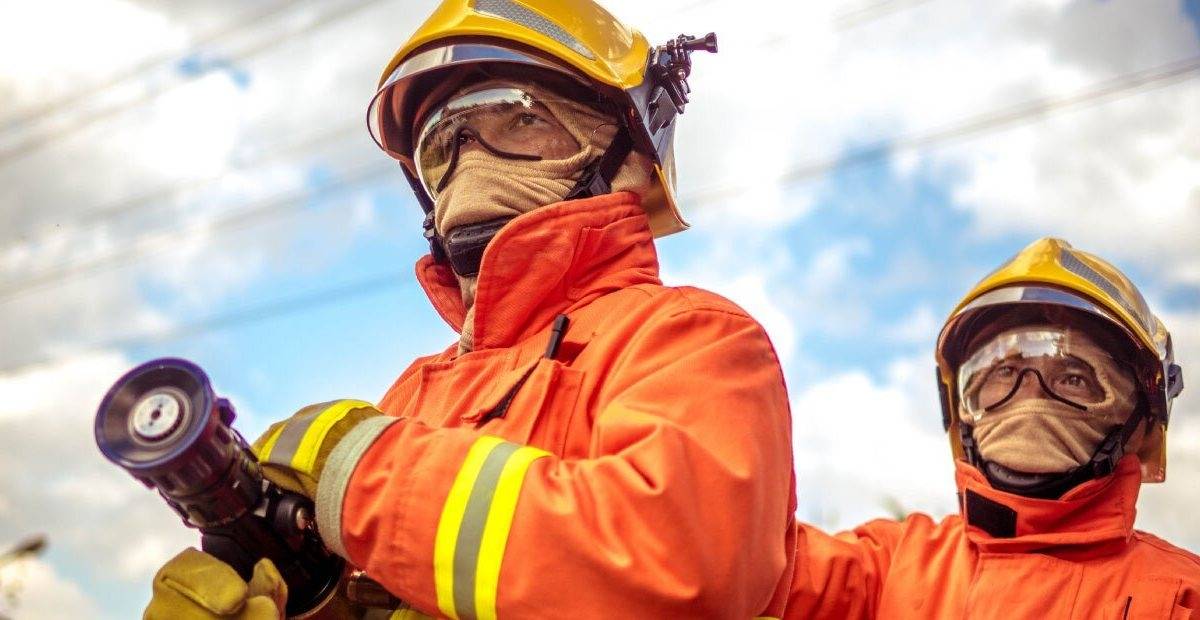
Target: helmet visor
[
  {"x": 509, "y": 123},
  {"x": 1035, "y": 362}
]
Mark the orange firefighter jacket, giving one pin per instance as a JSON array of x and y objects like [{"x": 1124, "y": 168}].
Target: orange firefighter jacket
[
  {"x": 641, "y": 469},
  {"x": 1005, "y": 557}
]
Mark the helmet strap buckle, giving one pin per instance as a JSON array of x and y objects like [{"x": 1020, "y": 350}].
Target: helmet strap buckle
[{"x": 598, "y": 176}]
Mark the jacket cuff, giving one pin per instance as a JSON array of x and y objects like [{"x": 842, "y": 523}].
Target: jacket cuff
[{"x": 335, "y": 478}]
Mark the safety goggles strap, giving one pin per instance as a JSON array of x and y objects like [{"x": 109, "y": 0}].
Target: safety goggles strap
[
  {"x": 597, "y": 178},
  {"x": 1112, "y": 449}
]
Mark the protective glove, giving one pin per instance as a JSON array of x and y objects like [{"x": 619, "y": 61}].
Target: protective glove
[
  {"x": 293, "y": 452},
  {"x": 195, "y": 585}
]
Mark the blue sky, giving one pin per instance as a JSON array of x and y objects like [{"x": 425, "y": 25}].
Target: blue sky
[{"x": 851, "y": 271}]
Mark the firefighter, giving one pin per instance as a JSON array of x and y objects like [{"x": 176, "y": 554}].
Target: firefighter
[
  {"x": 595, "y": 444},
  {"x": 1056, "y": 384}
]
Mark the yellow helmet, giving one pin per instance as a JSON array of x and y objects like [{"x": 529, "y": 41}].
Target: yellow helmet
[
  {"x": 1050, "y": 273},
  {"x": 573, "y": 39}
]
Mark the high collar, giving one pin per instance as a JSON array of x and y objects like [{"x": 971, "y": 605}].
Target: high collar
[
  {"x": 1095, "y": 514},
  {"x": 546, "y": 262}
]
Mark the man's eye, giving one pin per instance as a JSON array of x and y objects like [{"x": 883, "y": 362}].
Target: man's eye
[
  {"x": 1005, "y": 371},
  {"x": 526, "y": 119},
  {"x": 1075, "y": 381}
]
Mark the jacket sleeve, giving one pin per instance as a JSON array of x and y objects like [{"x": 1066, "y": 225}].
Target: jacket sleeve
[
  {"x": 842, "y": 575},
  {"x": 682, "y": 511}
]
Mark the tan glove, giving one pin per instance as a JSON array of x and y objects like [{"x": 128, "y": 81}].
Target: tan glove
[
  {"x": 195, "y": 585},
  {"x": 293, "y": 452}
]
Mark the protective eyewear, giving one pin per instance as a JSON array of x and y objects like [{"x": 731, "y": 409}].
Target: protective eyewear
[
  {"x": 506, "y": 122},
  {"x": 1034, "y": 363}
]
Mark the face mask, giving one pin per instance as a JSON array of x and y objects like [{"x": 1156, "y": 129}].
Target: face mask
[{"x": 1042, "y": 399}]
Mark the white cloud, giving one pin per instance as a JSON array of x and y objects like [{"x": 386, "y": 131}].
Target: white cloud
[
  {"x": 32, "y": 589},
  {"x": 1118, "y": 181},
  {"x": 921, "y": 326},
  {"x": 44, "y": 56},
  {"x": 54, "y": 480},
  {"x": 864, "y": 447},
  {"x": 1168, "y": 509}
]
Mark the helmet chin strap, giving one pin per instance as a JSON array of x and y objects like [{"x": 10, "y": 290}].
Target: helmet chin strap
[
  {"x": 1054, "y": 485},
  {"x": 463, "y": 247}
]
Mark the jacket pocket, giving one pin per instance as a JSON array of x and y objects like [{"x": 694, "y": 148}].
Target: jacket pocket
[
  {"x": 1154, "y": 597},
  {"x": 536, "y": 409}
]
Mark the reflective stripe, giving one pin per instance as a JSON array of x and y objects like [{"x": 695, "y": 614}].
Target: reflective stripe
[
  {"x": 300, "y": 441},
  {"x": 470, "y": 533},
  {"x": 474, "y": 526},
  {"x": 288, "y": 439},
  {"x": 451, "y": 520},
  {"x": 495, "y": 533},
  {"x": 335, "y": 478},
  {"x": 265, "y": 452},
  {"x": 408, "y": 613}
]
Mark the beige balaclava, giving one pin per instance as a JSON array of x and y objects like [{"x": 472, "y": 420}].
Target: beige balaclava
[
  {"x": 1045, "y": 436},
  {"x": 486, "y": 187}
]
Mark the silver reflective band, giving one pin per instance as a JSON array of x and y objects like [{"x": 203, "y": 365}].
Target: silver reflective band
[
  {"x": 335, "y": 478},
  {"x": 1072, "y": 263},
  {"x": 513, "y": 12}
]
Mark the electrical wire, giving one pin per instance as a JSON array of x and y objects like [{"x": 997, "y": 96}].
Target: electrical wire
[
  {"x": 159, "y": 197},
  {"x": 235, "y": 318},
  {"x": 1022, "y": 114},
  {"x": 279, "y": 205},
  {"x": 853, "y": 18},
  {"x": 975, "y": 125},
  {"x": 248, "y": 20},
  {"x": 50, "y": 136},
  {"x": 156, "y": 198},
  {"x": 979, "y": 124}
]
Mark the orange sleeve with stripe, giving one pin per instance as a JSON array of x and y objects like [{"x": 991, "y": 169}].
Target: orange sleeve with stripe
[{"x": 682, "y": 509}]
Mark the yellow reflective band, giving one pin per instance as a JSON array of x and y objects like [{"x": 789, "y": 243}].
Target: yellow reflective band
[
  {"x": 305, "y": 457},
  {"x": 451, "y": 520},
  {"x": 408, "y": 613},
  {"x": 265, "y": 453},
  {"x": 495, "y": 532}
]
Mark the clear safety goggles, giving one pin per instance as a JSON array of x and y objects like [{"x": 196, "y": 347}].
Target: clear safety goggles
[
  {"x": 506, "y": 122},
  {"x": 1034, "y": 363}
]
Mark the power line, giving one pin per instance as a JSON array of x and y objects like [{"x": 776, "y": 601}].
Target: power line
[
  {"x": 266, "y": 311},
  {"x": 158, "y": 197},
  {"x": 852, "y": 18},
  {"x": 155, "y": 198},
  {"x": 48, "y": 137},
  {"x": 243, "y": 22},
  {"x": 1022, "y": 114},
  {"x": 275, "y": 206},
  {"x": 975, "y": 125}
]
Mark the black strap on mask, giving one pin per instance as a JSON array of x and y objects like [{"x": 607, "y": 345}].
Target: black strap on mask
[
  {"x": 598, "y": 176},
  {"x": 1053, "y": 486}
]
